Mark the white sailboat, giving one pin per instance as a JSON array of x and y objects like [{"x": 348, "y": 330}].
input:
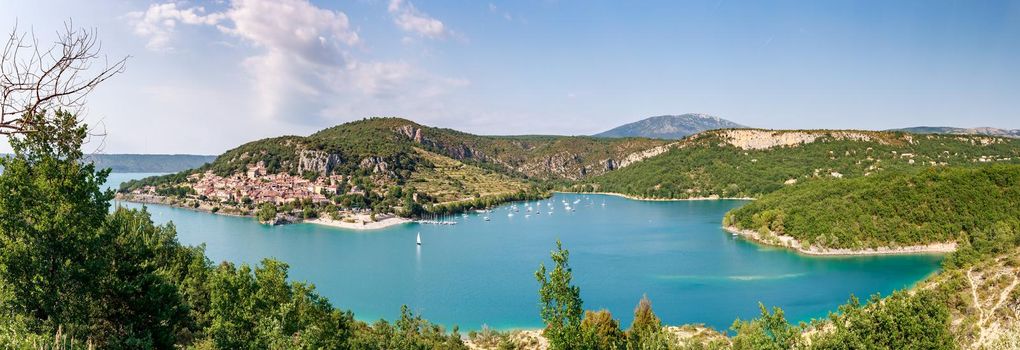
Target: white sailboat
[{"x": 419, "y": 238}]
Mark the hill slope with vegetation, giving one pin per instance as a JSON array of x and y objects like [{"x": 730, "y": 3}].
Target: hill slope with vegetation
[
  {"x": 753, "y": 162},
  {"x": 934, "y": 205},
  {"x": 388, "y": 165}
]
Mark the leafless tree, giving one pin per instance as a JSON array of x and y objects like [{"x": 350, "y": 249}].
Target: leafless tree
[{"x": 36, "y": 79}]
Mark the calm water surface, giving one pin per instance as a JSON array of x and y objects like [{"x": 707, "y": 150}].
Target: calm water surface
[{"x": 479, "y": 272}]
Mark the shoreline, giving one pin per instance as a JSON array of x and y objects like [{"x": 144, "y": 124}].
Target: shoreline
[
  {"x": 637, "y": 198},
  {"x": 791, "y": 243},
  {"x": 360, "y": 225}
]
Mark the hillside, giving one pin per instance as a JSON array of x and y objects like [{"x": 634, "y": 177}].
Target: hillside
[
  {"x": 753, "y": 162},
  {"x": 1015, "y": 133},
  {"x": 934, "y": 205},
  {"x": 387, "y": 165},
  {"x": 389, "y": 142},
  {"x": 670, "y": 127}
]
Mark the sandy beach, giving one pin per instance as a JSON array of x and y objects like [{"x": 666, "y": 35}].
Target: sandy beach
[
  {"x": 362, "y": 222},
  {"x": 792, "y": 243}
]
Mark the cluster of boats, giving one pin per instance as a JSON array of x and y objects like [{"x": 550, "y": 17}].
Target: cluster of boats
[{"x": 535, "y": 208}]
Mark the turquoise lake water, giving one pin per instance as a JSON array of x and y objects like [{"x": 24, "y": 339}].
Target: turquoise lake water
[{"x": 482, "y": 272}]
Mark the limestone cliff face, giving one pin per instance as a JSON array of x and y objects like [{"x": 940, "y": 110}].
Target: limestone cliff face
[
  {"x": 317, "y": 161},
  {"x": 376, "y": 164},
  {"x": 753, "y": 139},
  {"x": 639, "y": 156},
  {"x": 524, "y": 158}
]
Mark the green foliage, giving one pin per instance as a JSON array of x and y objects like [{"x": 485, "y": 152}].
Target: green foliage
[
  {"x": 52, "y": 208},
  {"x": 561, "y": 303},
  {"x": 901, "y": 321},
  {"x": 982, "y": 242},
  {"x": 259, "y": 309},
  {"x": 601, "y": 331},
  {"x": 646, "y": 330},
  {"x": 410, "y": 332},
  {"x": 266, "y": 213},
  {"x": 769, "y": 332},
  {"x": 934, "y": 205}
]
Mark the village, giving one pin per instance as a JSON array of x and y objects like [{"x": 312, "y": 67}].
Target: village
[{"x": 257, "y": 186}]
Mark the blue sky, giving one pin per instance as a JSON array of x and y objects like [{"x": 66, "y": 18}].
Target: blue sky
[{"x": 205, "y": 76}]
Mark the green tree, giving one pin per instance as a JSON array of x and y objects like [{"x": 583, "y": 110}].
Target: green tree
[
  {"x": 601, "y": 331},
  {"x": 140, "y": 305},
  {"x": 646, "y": 330},
  {"x": 561, "y": 302},
  {"x": 52, "y": 207},
  {"x": 259, "y": 309},
  {"x": 266, "y": 213},
  {"x": 901, "y": 321},
  {"x": 770, "y": 331}
]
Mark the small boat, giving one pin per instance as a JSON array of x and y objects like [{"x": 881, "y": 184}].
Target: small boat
[
  {"x": 510, "y": 215},
  {"x": 419, "y": 238},
  {"x": 486, "y": 218}
]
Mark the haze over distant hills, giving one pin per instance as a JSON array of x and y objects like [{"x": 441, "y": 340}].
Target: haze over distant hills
[
  {"x": 670, "y": 126},
  {"x": 145, "y": 163},
  {"x": 149, "y": 163},
  {"x": 1015, "y": 133}
]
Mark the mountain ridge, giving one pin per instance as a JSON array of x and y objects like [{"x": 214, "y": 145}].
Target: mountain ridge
[
  {"x": 1014, "y": 133},
  {"x": 670, "y": 126}
]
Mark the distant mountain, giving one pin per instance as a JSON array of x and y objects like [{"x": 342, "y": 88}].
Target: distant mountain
[
  {"x": 146, "y": 163},
  {"x": 670, "y": 126},
  {"x": 149, "y": 163},
  {"x": 1014, "y": 133}
]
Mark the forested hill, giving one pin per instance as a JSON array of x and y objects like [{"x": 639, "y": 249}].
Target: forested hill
[
  {"x": 753, "y": 162},
  {"x": 389, "y": 163},
  {"x": 934, "y": 205}
]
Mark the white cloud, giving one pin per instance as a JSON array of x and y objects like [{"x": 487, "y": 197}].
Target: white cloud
[
  {"x": 158, "y": 22},
  {"x": 301, "y": 67},
  {"x": 409, "y": 19}
]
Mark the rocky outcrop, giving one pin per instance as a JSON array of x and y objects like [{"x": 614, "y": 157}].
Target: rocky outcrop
[
  {"x": 412, "y": 132},
  {"x": 639, "y": 156},
  {"x": 317, "y": 161},
  {"x": 751, "y": 139},
  {"x": 526, "y": 157},
  {"x": 376, "y": 164}
]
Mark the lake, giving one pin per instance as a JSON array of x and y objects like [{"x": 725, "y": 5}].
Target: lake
[{"x": 482, "y": 272}]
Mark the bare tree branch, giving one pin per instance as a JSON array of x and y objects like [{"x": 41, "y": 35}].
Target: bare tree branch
[{"x": 35, "y": 80}]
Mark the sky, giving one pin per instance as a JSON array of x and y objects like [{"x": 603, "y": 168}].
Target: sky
[{"x": 206, "y": 76}]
